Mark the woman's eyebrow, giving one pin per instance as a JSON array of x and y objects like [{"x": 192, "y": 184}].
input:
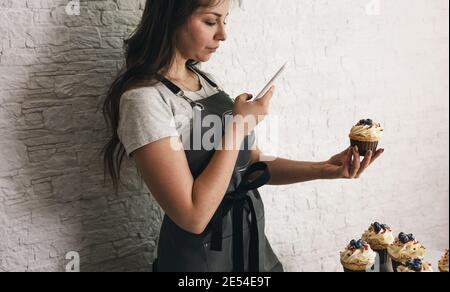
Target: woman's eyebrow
[{"x": 216, "y": 14}]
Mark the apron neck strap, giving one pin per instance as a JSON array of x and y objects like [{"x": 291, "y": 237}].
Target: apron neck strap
[
  {"x": 193, "y": 68},
  {"x": 176, "y": 90},
  {"x": 172, "y": 87}
]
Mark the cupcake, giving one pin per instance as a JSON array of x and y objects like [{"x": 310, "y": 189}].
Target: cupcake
[
  {"x": 379, "y": 237},
  {"x": 443, "y": 263},
  {"x": 357, "y": 256},
  {"x": 405, "y": 248},
  {"x": 415, "y": 265},
  {"x": 365, "y": 135}
]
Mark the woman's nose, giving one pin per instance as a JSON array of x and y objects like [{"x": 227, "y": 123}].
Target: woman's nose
[{"x": 221, "y": 34}]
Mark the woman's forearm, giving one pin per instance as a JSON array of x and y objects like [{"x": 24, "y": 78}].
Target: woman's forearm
[
  {"x": 286, "y": 172},
  {"x": 209, "y": 188}
]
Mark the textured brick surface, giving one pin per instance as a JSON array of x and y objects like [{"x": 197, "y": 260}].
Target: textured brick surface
[{"x": 347, "y": 62}]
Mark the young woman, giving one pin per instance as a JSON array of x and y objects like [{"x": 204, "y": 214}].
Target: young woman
[{"x": 214, "y": 215}]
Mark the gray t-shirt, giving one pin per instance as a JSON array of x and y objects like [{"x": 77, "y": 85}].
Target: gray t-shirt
[{"x": 149, "y": 114}]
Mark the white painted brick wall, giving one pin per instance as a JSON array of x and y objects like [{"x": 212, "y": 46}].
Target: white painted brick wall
[{"x": 345, "y": 64}]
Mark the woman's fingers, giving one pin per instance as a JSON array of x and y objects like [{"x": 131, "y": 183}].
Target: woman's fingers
[
  {"x": 349, "y": 156},
  {"x": 356, "y": 163},
  {"x": 353, "y": 166},
  {"x": 377, "y": 154},
  {"x": 368, "y": 160},
  {"x": 346, "y": 151},
  {"x": 268, "y": 96},
  {"x": 243, "y": 97},
  {"x": 346, "y": 166},
  {"x": 365, "y": 163}
]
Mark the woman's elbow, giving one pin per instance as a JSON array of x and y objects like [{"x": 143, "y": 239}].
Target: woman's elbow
[{"x": 193, "y": 228}]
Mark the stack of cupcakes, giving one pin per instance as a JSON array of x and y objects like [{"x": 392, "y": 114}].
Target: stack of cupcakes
[
  {"x": 405, "y": 248},
  {"x": 401, "y": 254},
  {"x": 443, "y": 263},
  {"x": 357, "y": 257},
  {"x": 379, "y": 237}
]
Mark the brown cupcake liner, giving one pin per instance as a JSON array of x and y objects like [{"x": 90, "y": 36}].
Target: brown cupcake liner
[
  {"x": 364, "y": 147},
  {"x": 395, "y": 265},
  {"x": 353, "y": 271},
  {"x": 347, "y": 270}
]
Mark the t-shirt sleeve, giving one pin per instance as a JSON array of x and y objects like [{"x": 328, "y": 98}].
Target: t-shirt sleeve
[{"x": 145, "y": 117}]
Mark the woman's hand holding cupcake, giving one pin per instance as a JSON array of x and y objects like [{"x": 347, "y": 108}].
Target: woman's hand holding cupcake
[{"x": 348, "y": 164}]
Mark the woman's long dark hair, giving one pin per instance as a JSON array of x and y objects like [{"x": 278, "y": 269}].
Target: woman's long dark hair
[{"x": 148, "y": 51}]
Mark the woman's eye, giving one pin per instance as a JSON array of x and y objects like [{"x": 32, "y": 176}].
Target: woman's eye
[{"x": 214, "y": 23}]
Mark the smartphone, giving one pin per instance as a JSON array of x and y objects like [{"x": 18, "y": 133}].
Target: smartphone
[{"x": 271, "y": 82}]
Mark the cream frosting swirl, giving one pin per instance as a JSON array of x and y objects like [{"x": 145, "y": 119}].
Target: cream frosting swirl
[
  {"x": 355, "y": 258},
  {"x": 409, "y": 267},
  {"x": 443, "y": 262},
  {"x": 378, "y": 236},
  {"x": 366, "y": 132},
  {"x": 402, "y": 251}
]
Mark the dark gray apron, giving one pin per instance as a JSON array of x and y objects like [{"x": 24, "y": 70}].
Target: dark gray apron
[{"x": 234, "y": 240}]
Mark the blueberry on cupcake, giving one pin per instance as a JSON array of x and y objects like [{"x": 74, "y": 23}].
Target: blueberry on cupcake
[{"x": 415, "y": 265}]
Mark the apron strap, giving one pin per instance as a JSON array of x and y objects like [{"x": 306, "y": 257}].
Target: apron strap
[
  {"x": 213, "y": 84},
  {"x": 236, "y": 200},
  {"x": 178, "y": 92},
  {"x": 155, "y": 266},
  {"x": 172, "y": 87}
]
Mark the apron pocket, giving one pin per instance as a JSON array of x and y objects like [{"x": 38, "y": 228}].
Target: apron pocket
[{"x": 222, "y": 261}]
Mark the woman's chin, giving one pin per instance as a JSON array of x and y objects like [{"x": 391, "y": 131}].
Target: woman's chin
[{"x": 205, "y": 57}]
